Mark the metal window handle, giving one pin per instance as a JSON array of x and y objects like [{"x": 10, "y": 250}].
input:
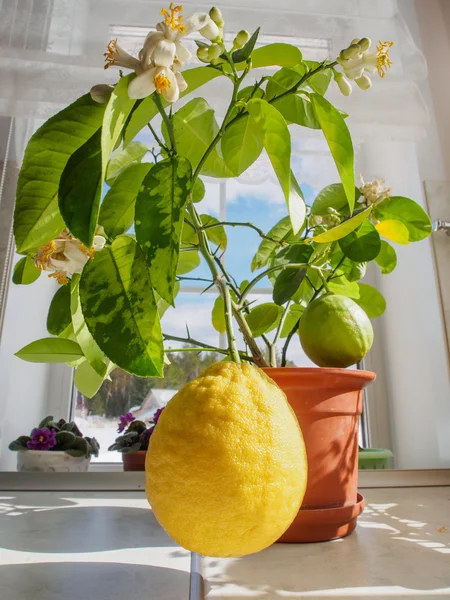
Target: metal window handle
[{"x": 439, "y": 225}]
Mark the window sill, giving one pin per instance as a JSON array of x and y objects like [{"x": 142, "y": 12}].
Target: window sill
[{"x": 114, "y": 479}]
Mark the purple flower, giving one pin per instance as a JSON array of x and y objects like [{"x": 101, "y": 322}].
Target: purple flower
[
  {"x": 42, "y": 439},
  {"x": 145, "y": 436},
  {"x": 125, "y": 420},
  {"x": 157, "y": 415}
]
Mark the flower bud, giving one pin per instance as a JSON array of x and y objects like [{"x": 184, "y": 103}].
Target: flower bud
[
  {"x": 364, "y": 44},
  {"x": 355, "y": 41},
  {"x": 210, "y": 31},
  {"x": 315, "y": 220},
  {"x": 343, "y": 83},
  {"x": 364, "y": 82},
  {"x": 203, "y": 54},
  {"x": 101, "y": 93},
  {"x": 216, "y": 16},
  {"x": 214, "y": 51},
  {"x": 351, "y": 52},
  {"x": 241, "y": 39}
]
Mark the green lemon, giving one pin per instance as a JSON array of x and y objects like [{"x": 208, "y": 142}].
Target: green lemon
[{"x": 335, "y": 332}]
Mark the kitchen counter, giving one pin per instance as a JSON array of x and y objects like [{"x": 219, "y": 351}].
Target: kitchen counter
[
  {"x": 400, "y": 549},
  {"x": 87, "y": 546},
  {"x": 108, "y": 546}
]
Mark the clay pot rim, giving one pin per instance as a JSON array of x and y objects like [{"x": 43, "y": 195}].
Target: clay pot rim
[{"x": 324, "y": 371}]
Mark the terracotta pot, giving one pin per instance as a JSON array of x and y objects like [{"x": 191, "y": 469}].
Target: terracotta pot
[
  {"x": 327, "y": 403},
  {"x": 134, "y": 461}
]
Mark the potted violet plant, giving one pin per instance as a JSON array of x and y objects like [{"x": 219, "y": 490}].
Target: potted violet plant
[
  {"x": 133, "y": 440},
  {"x": 54, "y": 446},
  {"x": 146, "y": 233}
]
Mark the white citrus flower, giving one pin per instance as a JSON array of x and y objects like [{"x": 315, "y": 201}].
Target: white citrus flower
[
  {"x": 65, "y": 255},
  {"x": 357, "y": 59},
  {"x": 162, "y": 80},
  {"x": 115, "y": 56},
  {"x": 163, "y": 47},
  {"x": 373, "y": 192}
]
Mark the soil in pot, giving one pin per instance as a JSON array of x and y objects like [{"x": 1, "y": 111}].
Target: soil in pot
[
  {"x": 327, "y": 403},
  {"x": 134, "y": 461}
]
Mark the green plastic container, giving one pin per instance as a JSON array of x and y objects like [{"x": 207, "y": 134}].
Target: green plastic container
[{"x": 374, "y": 458}]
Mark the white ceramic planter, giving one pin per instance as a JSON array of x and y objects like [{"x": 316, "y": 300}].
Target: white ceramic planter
[{"x": 46, "y": 461}]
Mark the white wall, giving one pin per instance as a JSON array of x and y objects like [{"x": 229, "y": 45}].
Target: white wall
[{"x": 24, "y": 387}]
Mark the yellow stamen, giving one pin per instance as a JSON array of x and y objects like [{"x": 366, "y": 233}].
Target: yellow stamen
[
  {"x": 60, "y": 277},
  {"x": 43, "y": 255},
  {"x": 161, "y": 82},
  {"x": 88, "y": 251},
  {"x": 111, "y": 54},
  {"x": 41, "y": 438},
  {"x": 173, "y": 19},
  {"x": 383, "y": 61}
]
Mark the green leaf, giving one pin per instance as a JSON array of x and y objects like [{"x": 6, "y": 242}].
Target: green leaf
[
  {"x": 371, "y": 301},
  {"x": 195, "y": 127},
  {"x": 284, "y": 79},
  {"x": 117, "y": 209},
  {"x": 332, "y": 196},
  {"x": 387, "y": 258},
  {"x": 321, "y": 80},
  {"x": 294, "y": 108},
  {"x": 280, "y": 232},
  {"x": 116, "y": 114},
  {"x": 120, "y": 309},
  {"x": 216, "y": 235},
  {"x": 244, "y": 53},
  {"x": 121, "y": 159},
  {"x": 289, "y": 280},
  {"x": 87, "y": 380},
  {"x": 198, "y": 192},
  {"x": 341, "y": 285},
  {"x": 25, "y": 271},
  {"x": 188, "y": 261},
  {"x": 20, "y": 444},
  {"x": 36, "y": 218},
  {"x": 295, "y": 311},
  {"x": 393, "y": 230},
  {"x": 276, "y": 140},
  {"x": 146, "y": 110},
  {"x": 296, "y": 205},
  {"x": 51, "y": 350},
  {"x": 80, "y": 190},
  {"x": 161, "y": 304},
  {"x": 218, "y": 315},
  {"x": 283, "y": 55},
  {"x": 263, "y": 318},
  {"x": 339, "y": 141},
  {"x": 306, "y": 292},
  {"x": 80, "y": 447},
  {"x": 354, "y": 271},
  {"x": 159, "y": 215},
  {"x": 242, "y": 144},
  {"x": 83, "y": 336},
  {"x": 64, "y": 440},
  {"x": 362, "y": 244},
  {"x": 59, "y": 316},
  {"x": 340, "y": 231},
  {"x": 407, "y": 212}
]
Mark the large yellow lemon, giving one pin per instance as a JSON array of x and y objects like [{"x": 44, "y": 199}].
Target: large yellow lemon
[{"x": 226, "y": 467}]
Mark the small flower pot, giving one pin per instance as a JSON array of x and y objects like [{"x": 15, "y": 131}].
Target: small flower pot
[
  {"x": 327, "y": 404},
  {"x": 47, "y": 461},
  {"x": 134, "y": 461},
  {"x": 374, "y": 458}
]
